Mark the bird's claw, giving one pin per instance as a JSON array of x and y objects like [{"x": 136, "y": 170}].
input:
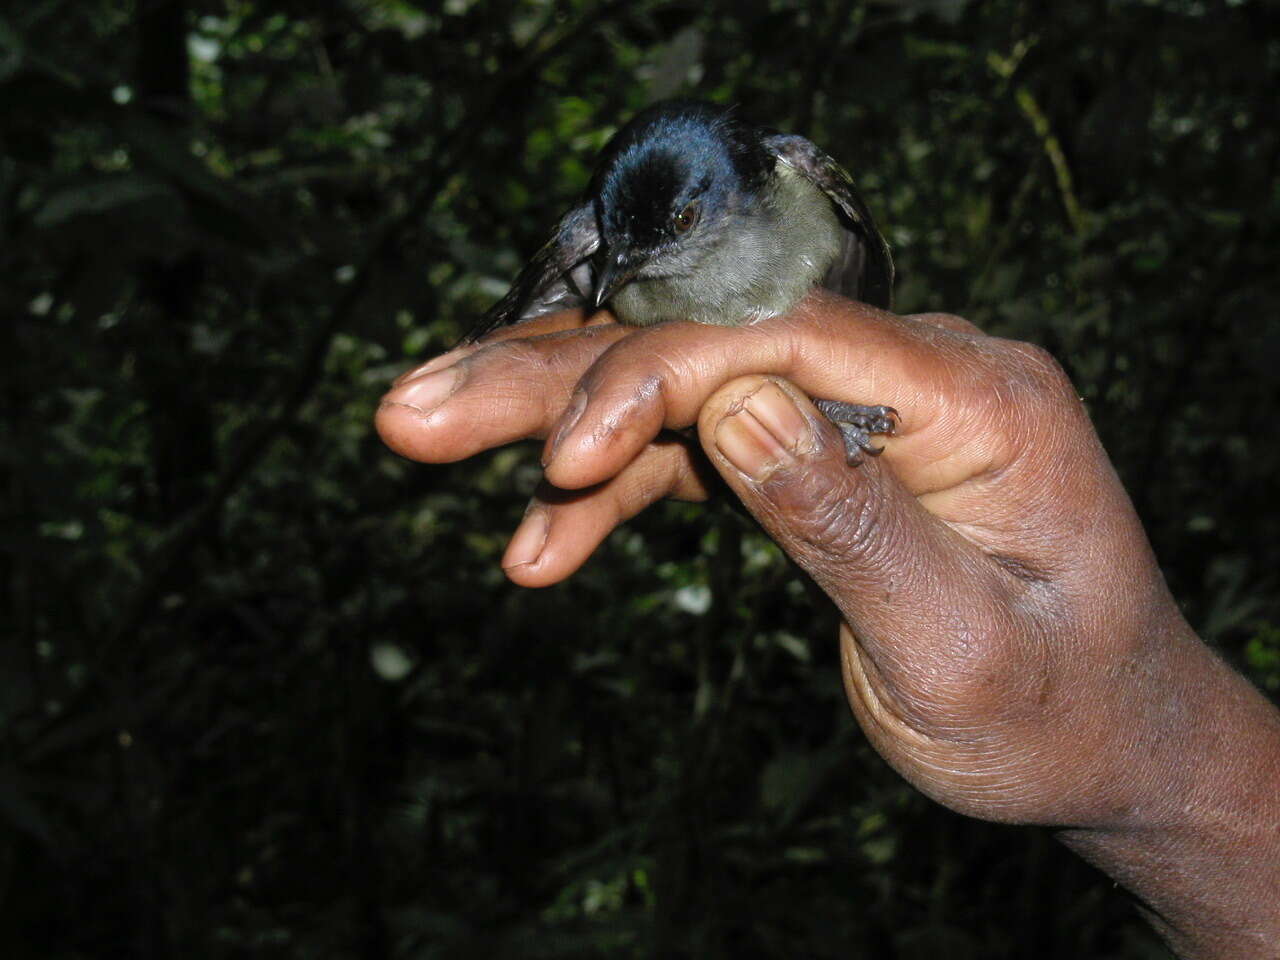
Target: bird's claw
[{"x": 858, "y": 424}]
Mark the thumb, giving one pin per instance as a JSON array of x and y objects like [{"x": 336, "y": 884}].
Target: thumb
[{"x": 918, "y": 597}]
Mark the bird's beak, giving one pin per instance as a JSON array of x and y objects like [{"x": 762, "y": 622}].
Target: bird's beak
[{"x": 618, "y": 269}]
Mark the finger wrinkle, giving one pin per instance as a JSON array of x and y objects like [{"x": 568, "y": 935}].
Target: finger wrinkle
[
  {"x": 649, "y": 478},
  {"x": 823, "y": 508},
  {"x": 614, "y": 418},
  {"x": 511, "y": 397},
  {"x": 590, "y": 332},
  {"x": 659, "y": 386},
  {"x": 650, "y": 387}
]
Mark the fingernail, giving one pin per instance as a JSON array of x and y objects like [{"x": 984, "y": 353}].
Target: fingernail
[
  {"x": 426, "y": 393},
  {"x": 568, "y": 420},
  {"x": 432, "y": 365},
  {"x": 526, "y": 546},
  {"x": 764, "y": 434},
  {"x": 778, "y": 413}
]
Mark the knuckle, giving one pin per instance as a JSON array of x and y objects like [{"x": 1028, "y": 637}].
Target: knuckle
[
  {"x": 644, "y": 375},
  {"x": 627, "y": 360},
  {"x": 857, "y": 526},
  {"x": 1039, "y": 370},
  {"x": 1020, "y": 390},
  {"x": 828, "y": 515},
  {"x": 839, "y": 529}
]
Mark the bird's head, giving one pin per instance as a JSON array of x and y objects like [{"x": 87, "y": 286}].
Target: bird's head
[{"x": 668, "y": 186}]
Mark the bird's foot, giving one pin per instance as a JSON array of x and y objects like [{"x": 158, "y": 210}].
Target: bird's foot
[{"x": 857, "y": 424}]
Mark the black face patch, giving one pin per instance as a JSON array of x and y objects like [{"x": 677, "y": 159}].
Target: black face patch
[
  {"x": 668, "y": 157},
  {"x": 641, "y": 202}
]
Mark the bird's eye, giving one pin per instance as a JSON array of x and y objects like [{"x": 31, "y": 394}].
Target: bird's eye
[{"x": 683, "y": 221}]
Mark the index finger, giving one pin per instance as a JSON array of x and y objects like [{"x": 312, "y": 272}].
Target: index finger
[
  {"x": 947, "y": 382},
  {"x": 499, "y": 391}
]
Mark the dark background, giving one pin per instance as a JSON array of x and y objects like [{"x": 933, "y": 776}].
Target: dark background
[{"x": 264, "y": 690}]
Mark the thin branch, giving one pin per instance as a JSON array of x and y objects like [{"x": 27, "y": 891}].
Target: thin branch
[
  {"x": 1005, "y": 67},
  {"x": 1053, "y": 150}
]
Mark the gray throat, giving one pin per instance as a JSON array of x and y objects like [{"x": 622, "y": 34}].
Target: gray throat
[{"x": 761, "y": 263}]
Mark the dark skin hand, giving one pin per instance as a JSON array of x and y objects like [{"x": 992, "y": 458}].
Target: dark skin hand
[{"x": 1009, "y": 644}]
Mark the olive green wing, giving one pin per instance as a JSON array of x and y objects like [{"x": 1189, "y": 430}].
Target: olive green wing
[{"x": 864, "y": 269}]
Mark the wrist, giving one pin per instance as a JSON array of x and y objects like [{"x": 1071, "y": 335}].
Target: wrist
[{"x": 1194, "y": 831}]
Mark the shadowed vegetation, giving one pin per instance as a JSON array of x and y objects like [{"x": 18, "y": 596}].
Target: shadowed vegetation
[{"x": 265, "y": 691}]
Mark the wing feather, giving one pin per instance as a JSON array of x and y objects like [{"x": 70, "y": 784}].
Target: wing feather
[
  {"x": 558, "y": 277},
  {"x": 864, "y": 268}
]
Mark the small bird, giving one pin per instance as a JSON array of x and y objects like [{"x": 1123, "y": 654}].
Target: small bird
[{"x": 694, "y": 214}]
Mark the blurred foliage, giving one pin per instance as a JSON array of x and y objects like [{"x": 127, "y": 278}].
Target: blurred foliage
[{"x": 266, "y": 691}]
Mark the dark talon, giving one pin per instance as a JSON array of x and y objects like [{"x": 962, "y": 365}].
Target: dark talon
[{"x": 857, "y": 424}]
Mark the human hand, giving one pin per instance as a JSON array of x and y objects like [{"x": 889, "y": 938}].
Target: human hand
[
  {"x": 516, "y": 385},
  {"x": 1009, "y": 644}
]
